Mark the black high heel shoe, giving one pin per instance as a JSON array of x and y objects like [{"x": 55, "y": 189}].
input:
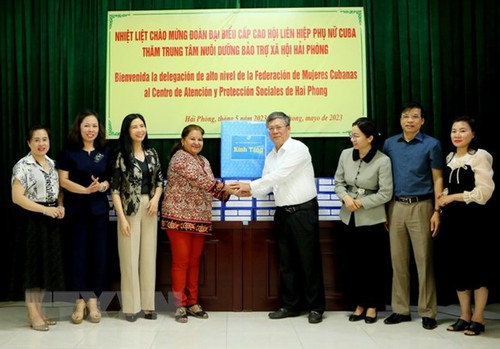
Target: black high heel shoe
[
  {"x": 357, "y": 317},
  {"x": 459, "y": 326},
  {"x": 151, "y": 315},
  {"x": 131, "y": 317},
  {"x": 476, "y": 328},
  {"x": 371, "y": 319}
]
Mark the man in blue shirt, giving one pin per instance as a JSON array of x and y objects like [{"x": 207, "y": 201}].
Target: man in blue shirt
[{"x": 417, "y": 165}]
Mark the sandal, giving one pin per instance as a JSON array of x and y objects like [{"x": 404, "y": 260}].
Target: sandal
[
  {"x": 181, "y": 315},
  {"x": 459, "y": 326},
  {"x": 80, "y": 312},
  {"x": 94, "y": 314},
  {"x": 42, "y": 327},
  {"x": 475, "y": 327},
  {"x": 150, "y": 315},
  {"x": 197, "y": 311},
  {"x": 49, "y": 322}
]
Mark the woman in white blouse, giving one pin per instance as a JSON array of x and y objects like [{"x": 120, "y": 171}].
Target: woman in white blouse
[{"x": 468, "y": 183}]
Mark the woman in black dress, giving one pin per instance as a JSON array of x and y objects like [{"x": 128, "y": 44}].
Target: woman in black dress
[
  {"x": 469, "y": 185},
  {"x": 39, "y": 211}
]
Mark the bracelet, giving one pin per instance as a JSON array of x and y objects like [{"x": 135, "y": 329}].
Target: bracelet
[{"x": 438, "y": 210}]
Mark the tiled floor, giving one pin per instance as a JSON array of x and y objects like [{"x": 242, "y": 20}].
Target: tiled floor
[{"x": 238, "y": 330}]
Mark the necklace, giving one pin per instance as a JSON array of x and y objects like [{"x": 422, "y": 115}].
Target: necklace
[
  {"x": 139, "y": 155},
  {"x": 43, "y": 164}
]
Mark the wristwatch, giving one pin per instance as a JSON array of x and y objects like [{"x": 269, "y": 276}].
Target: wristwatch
[{"x": 104, "y": 187}]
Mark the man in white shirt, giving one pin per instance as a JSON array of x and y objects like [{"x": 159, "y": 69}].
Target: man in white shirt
[{"x": 289, "y": 174}]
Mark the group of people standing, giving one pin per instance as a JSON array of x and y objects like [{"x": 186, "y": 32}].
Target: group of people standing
[
  {"x": 38, "y": 183},
  {"x": 401, "y": 188},
  {"x": 70, "y": 195},
  {"x": 397, "y": 187}
]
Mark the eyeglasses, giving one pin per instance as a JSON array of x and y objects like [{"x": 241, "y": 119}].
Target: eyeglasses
[
  {"x": 275, "y": 128},
  {"x": 354, "y": 135}
]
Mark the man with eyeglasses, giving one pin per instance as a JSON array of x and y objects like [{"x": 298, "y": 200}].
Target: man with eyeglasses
[
  {"x": 417, "y": 167},
  {"x": 288, "y": 173}
]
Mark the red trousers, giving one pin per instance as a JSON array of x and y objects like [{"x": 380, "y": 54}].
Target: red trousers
[{"x": 186, "y": 256}]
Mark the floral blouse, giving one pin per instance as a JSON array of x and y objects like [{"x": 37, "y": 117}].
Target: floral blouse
[
  {"x": 40, "y": 186},
  {"x": 187, "y": 200},
  {"x": 127, "y": 182}
]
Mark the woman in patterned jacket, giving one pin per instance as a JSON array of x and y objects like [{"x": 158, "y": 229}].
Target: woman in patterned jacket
[
  {"x": 136, "y": 188},
  {"x": 186, "y": 216}
]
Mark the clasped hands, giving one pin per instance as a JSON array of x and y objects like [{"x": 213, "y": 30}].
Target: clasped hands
[
  {"x": 239, "y": 189},
  {"x": 54, "y": 212},
  {"x": 95, "y": 186},
  {"x": 352, "y": 204}
]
